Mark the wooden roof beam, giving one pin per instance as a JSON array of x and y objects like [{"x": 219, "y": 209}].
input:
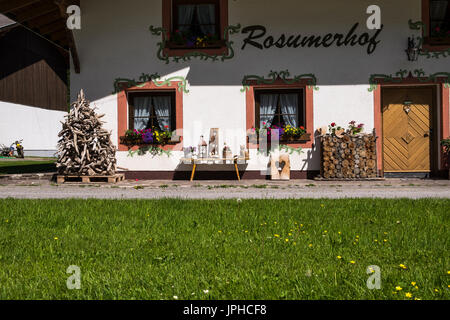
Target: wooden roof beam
[
  {"x": 6, "y": 6},
  {"x": 63, "y": 4},
  {"x": 35, "y": 12}
]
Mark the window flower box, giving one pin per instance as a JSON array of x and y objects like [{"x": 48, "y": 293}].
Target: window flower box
[
  {"x": 288, "y": 134},
  {"x": 215, "y": 44},
  {"x": 148, "y": 137}
]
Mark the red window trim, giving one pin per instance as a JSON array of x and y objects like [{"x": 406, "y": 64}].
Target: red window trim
[
  {"x": 122, "y": 111},
  {"x": 167, "y": 25},
  {"x": 280, "y": 84},
  {"x": 428, "y": 43}
]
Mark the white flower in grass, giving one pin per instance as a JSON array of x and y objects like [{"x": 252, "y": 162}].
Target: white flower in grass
[
  {"x": 175, "y": 297},
  {"x": 239, "y": 200},
  {"x": 205, "y": 291}
]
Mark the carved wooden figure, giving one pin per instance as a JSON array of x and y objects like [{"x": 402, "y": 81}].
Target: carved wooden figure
[{"x": 283, "y": 160}]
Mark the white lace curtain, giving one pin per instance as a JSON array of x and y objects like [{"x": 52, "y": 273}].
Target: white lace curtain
[
  {"x": 289, "y": 108},
  {"x": 268, "y": 106},
  {"x": 162, "y": 106},
  {"x": 438, "y": 9},
  {"x": 206, "y": 15},
  {"x": 143, "y": 111},
  {"x": 142, "y": 106}
]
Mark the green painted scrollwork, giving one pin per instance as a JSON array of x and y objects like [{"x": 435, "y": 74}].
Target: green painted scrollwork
[
  {"x": 155, "y": 78},
  {"x": 283, "y": 75},
  {"x": 161, "y": 55},
  {"x": 401, "y": 75},
  {"x": 435, "y": 53}
]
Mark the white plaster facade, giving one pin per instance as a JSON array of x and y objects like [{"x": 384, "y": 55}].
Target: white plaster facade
[{"x": 115, "y": 42}]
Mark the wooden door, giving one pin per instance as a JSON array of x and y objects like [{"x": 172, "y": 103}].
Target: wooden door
[{"x": 407, "y": 129}]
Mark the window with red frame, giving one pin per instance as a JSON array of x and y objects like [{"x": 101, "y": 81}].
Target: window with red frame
[
  {"x": 439, "y": 21},
  {"x": 279, "y": 108},
  {"x": 152, "y": 110},
  {"x": 195, "y": 23}
]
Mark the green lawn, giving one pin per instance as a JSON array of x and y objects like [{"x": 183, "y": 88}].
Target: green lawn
[
  {"x": 27, "y": 166},
  {"x": 249, "y": 249}
]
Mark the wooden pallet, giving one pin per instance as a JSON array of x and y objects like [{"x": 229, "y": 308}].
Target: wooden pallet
[{"x": 91, "y": 179}]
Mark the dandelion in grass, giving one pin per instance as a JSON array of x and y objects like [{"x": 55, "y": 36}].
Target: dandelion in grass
[
  {"x": 402, "y": 266},
  {"x": 398, "y": 288},
  {"x": 436, "y": 290},
  {"x": 385, "y": 240},
  {"x": 408, "y": 295},
  {"x": 448, "y": 272},
  {"x": 339, "y": 257},
  {"x": 413, "y": 283},
  {"x": 310, "y": 245},
  {"x": 239, "y": 200},
  {"x": 287, "y": 240},
  {"x": 352, "y": 262},
  {"x": 55, "y": 238},
  {"x": 276, "y": 235},
  {"x": 339, "y": 233}
]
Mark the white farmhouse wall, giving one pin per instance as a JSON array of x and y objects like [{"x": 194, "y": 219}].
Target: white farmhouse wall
[
  {"x": 37, "y": 127},
  {"x": 115, "y": 42}
]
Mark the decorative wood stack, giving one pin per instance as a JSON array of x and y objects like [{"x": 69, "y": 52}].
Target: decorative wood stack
[
  {"x": 349, "y": 157},
  {"x": 85, "y": 148}
]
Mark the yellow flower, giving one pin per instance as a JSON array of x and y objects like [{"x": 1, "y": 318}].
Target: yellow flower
[
  {"x": 403, "y": 266},
  {"x": 385, "y": 240},
  {"x": 413, "y": 283},
  {"x": 295, "y": 243},
  {"x": 287, "y": 240},
  {"x": 375, "y": 240},
  {"x": 417, "y": 298},
  {"x": 56, "y": 238},
  {"x": 322, "y": 205},
  {"x": 352, "y": 262},
  {"x": 408, "y": 295},
  {"x": 398, "y": 288},
  {"x": 290, "y": 234},
  {"x": 276, "y": 235},
  {"x": 448, "y": 272},
  {"x": 325, "y": 231},
  {"x": 310, "y": 245},
  {"x": 357, "y": 237},
  {"x": 436, "y": 290},
  {"x": 339, "y": 232},
  {"x": 339, "y": 257},
  {"x": 220, "y": 231}
]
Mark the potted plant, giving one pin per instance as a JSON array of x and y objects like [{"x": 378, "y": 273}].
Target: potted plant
[{"x": 354, "y": 129}]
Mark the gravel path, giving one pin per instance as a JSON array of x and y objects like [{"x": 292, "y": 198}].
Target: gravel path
[{"x": 257, "y": 189}]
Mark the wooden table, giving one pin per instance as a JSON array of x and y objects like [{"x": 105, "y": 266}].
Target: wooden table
[{"x": 214, "y": 161}]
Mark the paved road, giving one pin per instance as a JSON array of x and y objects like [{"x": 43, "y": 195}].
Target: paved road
[{"x": 257, "y": 189}]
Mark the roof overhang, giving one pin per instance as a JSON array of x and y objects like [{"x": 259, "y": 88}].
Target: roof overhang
[{"x": 47, "y": 18}]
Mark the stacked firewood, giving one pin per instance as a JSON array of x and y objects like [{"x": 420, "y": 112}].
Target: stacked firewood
[
  {"x": 349, "y": 157},
  {"x": 85, "y": 148}
]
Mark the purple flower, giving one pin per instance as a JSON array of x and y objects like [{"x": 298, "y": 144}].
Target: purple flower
[{"x": 147, "y": 137}]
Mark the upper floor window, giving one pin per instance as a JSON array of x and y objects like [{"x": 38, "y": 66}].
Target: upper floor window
[
  {"x": 279, "y": 108},
  {"x": 196, "y": 23},
  {"x": 439, "y": 21},
  {"x": 152, "y": 110}
]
